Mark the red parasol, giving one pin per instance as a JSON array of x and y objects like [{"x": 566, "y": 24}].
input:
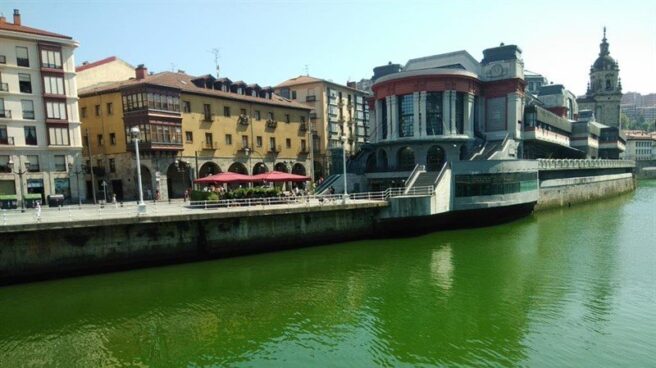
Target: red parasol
[
  {"x": 278, "y": 176},
  {"x": 225, "y": 177}
]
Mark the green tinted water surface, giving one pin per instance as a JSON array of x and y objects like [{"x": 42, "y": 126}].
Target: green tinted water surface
[{"x": 573, "y": 287}]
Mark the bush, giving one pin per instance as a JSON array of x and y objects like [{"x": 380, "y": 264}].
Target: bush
[
  {"x": 199, "y": 195},
  {"x": 245, "y": 193}
]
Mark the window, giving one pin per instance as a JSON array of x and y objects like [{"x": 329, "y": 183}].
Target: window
[
  {"x": 272, "y": 143},
  {"x": 30, "y": 136},
  {"x": 460, "y": 112},
  {"x": 293, "y": 95},
  {"x": 258, "y": 141},
  {"x": 495, "y": 114},
  {"x": 288, "y": 143},
  {"x": 60, "y": 163},
  {"x": 302, "y": 119},
  {"x": 25, "y": 83},
  {"x": 4, "y": 138},
  {"x": 97, "y": 107},
  {"x": 85, "y": 140},
  {"x": 228, "y": 139},
  {"x": 287, "y": 119},
  {"x": 112, "y": 165},
  {"x": 209, "y": 141},
  {"x": 258, "y": 115},
  {"x": 434, "y": 113},
  {"x": 383, "y": 118},
  {"x": 242, "y": 111},
  {"x": 271, "y": 116},
  {"x": 22, "y": 58},
  {"x": 100, "y": 164},
  {"x": 34, "y": 163},
  {"x": 51, "y": 59},
  {"x": 55, "y": 110},
  {"x": 112, "y": 139},
  {"x": 303, "y": 146},
  {"x": 28, "y": 109},
  {"x": 53, "y": 85},
  {"x": 59, "y": 136},
  {"x": 3, "y": 59},
  {"x": 207, "y": 111},
  {"x": 244, "y": 141},
  {"x": 186, "y": 105},
  {"x": 406, "y": 116},
  {"x": 100, "y": 139},
  {"x": 84, "y": 112},
  {"x": 110, "y": 108},
  {"x": 189, "y": 137},
  {"x": 226, "y": 111}
]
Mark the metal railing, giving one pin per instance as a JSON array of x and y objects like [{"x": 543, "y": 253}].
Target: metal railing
[{"x": 573, "y": 164}]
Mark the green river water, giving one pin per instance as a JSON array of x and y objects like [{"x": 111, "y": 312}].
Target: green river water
[{"x": 565, "y": 288}]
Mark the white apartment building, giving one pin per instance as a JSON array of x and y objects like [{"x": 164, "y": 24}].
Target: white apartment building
[
  {"x": 40, "y": 138},
  {"x": 640, "y": 146}
]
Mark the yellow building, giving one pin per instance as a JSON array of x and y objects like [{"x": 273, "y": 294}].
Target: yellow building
[
  {"x": 190, "y": 127},
  {"x": 338, "y": 112}
]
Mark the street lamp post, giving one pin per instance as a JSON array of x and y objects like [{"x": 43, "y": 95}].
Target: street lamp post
[
  {"x": 344, "y": 139},
  {"x": 20, "y": 173},
  {"x": 141, "y": 206}
]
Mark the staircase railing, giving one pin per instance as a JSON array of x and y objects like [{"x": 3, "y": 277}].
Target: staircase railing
[{"x": 414, "y": 175}]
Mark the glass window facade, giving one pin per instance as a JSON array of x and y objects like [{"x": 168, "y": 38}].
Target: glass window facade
[
  {"x": 383, "y": 118},
  {"x": 434, "y": 122},
  {"x": 494, "y": 184},
  {"x": 406, "y": 116},
  {"x": 406, "y": 159},
  {"x": 151, "y": 100},
  {"x": 51, "y": 59}
]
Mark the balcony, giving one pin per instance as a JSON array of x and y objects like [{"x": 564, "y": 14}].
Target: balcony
[
  {"x": 4, "y": 87},
  {"x": 7, "y": 141},
  {"x": 275, "y": 149},
  {"x": 310, "y": 98},
  {"x": 303, "y": 127},
  {"x": 243, "y": 120},
  {"x": 29, "y": 115},
  {"x": 210, "y": 145},
  {"x": 546, "y": 135},
  {"x": 5, "y": 114},
  {"x": 208, "y": 118},
  {"x": 271, "y": 124},
  {"x": 303, "y": 151}
]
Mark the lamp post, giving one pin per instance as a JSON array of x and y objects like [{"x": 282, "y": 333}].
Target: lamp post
[
  {"x": 134, "y": 132},
  {"x": 344, "y": 139},
  {"x": 77, "y": 173},
  {"x": 20, "y": 173}
]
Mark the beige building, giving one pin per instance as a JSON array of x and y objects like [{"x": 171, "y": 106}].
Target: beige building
[
  {"x": 337, "y": 111},
  {"x": 190, "y": 127},
  {"x": 640, "y": 145},
  {"x": 39, "y": 122},
  {"x": 111, "y": 69}
]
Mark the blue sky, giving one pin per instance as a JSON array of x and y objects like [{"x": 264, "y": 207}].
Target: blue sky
[{"x": 267, "y": 42}]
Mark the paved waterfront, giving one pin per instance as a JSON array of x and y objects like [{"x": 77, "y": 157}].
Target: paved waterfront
[
  {"x": 564, "y": 288},
  {"x": 88, "y": 212}
]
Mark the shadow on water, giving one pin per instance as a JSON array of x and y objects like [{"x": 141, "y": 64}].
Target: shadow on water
[{"x": 491, "y": 296}]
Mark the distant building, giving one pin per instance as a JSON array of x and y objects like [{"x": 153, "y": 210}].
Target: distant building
[
  {"x": 534, "y": 81},
  {"x": 111, "y": 69},
  {"x": 337, "y": 111},
  {"x": 39, "y": 120},
  {"x": 640, "y": 145},
  {"x": 604, "y": 93}
]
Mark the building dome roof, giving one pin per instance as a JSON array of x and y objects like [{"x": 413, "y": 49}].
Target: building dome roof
[{"x": 604, "y": 62}]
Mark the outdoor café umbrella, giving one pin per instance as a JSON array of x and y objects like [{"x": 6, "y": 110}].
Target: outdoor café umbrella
[
  {"x": 278, "y": 176},
  {"x": 225, "y": 177}
]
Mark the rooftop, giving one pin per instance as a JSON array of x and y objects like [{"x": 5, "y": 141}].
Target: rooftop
[
  {"x": 183, "y": 82},
  {"x": 18, "y": 27},
  {"x": 306, "y": 79}
]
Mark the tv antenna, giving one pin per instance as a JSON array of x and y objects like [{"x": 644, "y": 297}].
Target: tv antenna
[
  {"x": 307, "y": 70},
  {"x": 217, "y": 54}
]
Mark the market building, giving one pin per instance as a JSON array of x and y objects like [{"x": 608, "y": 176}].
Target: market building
[
  {"x": 190, "y": 127},
  {"x": 40, "y": 139}
]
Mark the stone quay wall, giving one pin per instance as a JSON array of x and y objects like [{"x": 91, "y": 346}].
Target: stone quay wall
[{"x": 50, "y": 250}]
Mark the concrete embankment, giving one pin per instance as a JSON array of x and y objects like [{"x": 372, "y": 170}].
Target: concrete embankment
[{"x": 33, "y": 251}]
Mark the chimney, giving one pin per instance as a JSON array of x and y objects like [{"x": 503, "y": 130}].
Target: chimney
[
  {"x": 141, "y": 72},
  {"x": 17, "y": 17}
]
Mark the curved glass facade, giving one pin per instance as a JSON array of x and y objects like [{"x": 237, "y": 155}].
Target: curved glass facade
[
  {"x": 406, "y": 116},
  {"x": 434, "y": 113}
]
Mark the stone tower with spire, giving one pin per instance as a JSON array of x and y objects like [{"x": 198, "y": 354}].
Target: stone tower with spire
[{"x": 604, "y": 92}]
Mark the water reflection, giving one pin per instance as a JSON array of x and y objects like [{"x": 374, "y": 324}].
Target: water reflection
[{"x": 508, "y": 295}]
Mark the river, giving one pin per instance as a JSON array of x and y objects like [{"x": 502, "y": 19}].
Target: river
[{"x": 570, "y": 287}]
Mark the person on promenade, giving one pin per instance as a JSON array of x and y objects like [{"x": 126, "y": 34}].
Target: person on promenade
[
  {"x": 114, "y": 202},
  {"x": 157, "y": 195}
]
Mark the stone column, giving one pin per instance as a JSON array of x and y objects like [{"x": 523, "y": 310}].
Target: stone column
[
  {"x": 513, "y": 107},
  {"x": 422, "y": 113},
  {"x": 452, "y": 112},
  {"x": 416, "y": 126},
  {"x": 469, "y": 115},
  {"x": 378, "y": 121}
]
